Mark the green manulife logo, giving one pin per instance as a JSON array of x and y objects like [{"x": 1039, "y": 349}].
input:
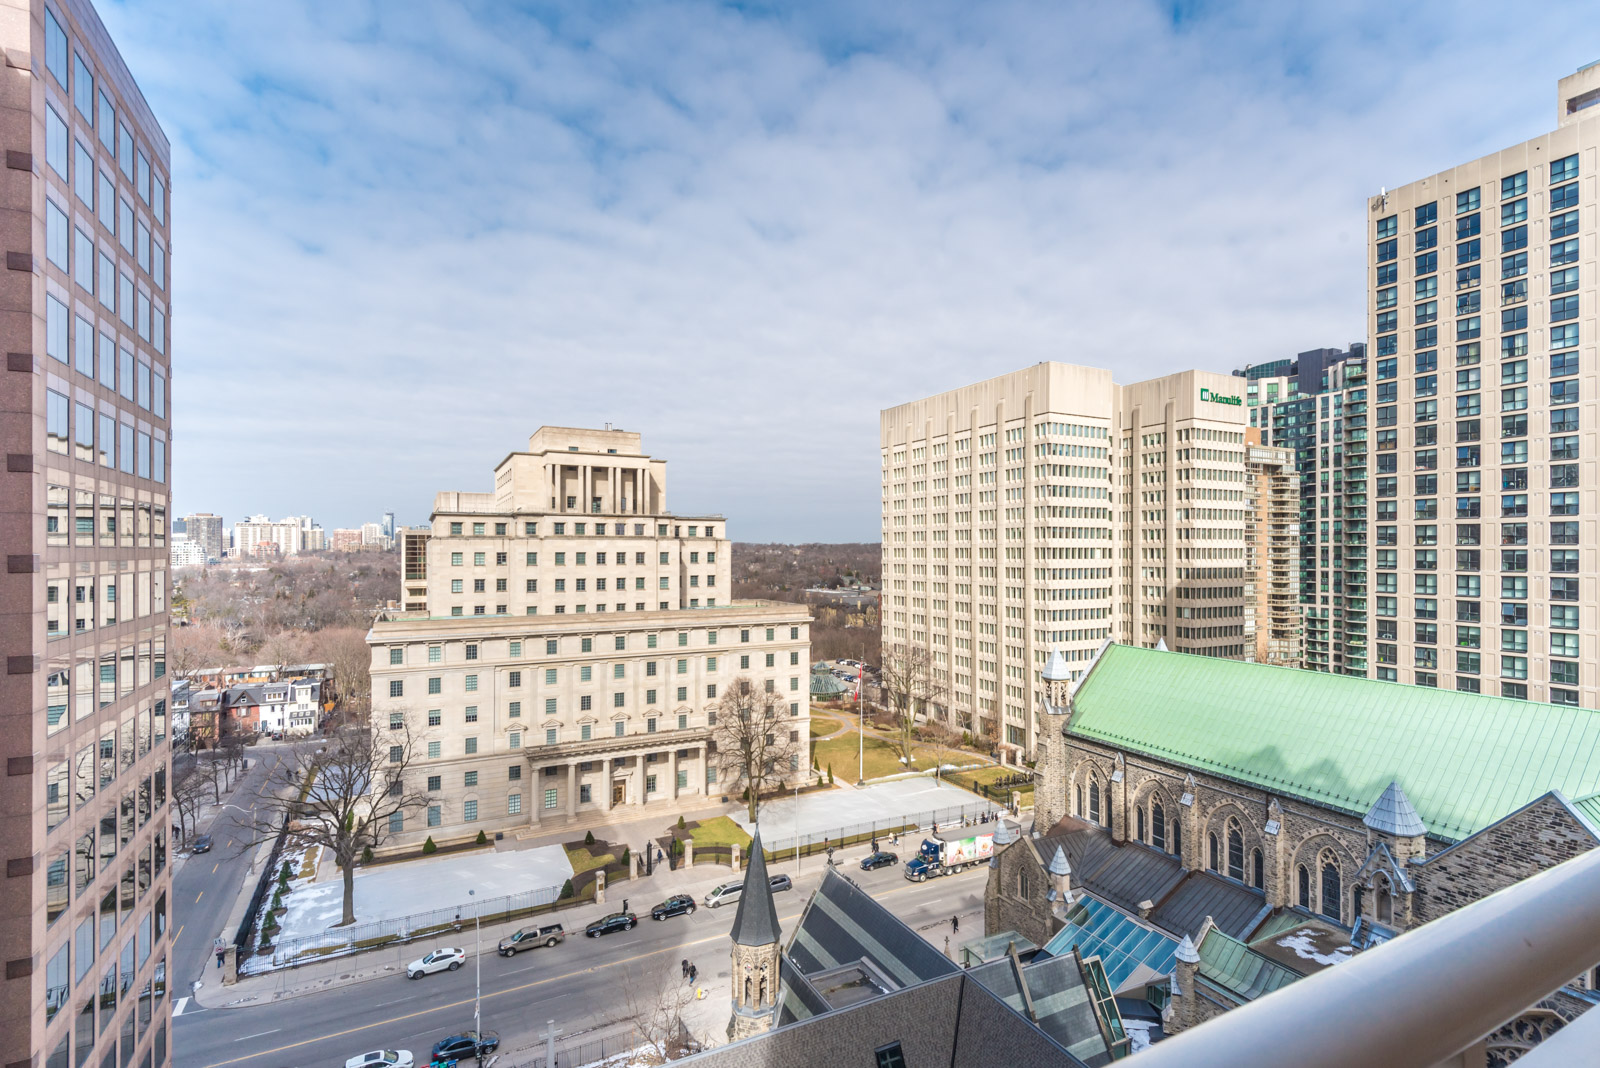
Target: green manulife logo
[{"x": 1218, "y": 398}]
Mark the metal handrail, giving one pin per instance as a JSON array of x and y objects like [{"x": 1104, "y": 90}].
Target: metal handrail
[{"x": 1422, "y": 997}]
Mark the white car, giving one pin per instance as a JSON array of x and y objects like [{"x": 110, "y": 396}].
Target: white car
[
  {"x": 381, "y": 1058},
  {"x": 439, "y": 960}
]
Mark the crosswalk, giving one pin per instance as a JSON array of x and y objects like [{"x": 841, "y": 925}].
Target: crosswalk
[{"x": 179, "y": 1005}]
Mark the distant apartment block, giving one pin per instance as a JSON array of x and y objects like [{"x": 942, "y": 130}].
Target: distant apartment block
[
  {"x": 259, "y": 537},
  {"x": 1272, "y": 551},
  {"x": 206, "y": 530},
  {"x": 573, "y": 640},
  {"x": 86, "y": 914},
  {"x": 1052, "y": 508},
  {"x": 1482, "y": 285}
]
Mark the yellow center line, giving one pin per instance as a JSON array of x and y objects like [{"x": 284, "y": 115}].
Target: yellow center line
[
  {"x": 514, "y": 990},
  {"x": 214, "y": 867},
  {"x": 198, "y": 896},
  {"x": 178, "y": 935}
]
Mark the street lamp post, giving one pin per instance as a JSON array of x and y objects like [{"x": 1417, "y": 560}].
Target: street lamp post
[{"x": 477, "y": 960}]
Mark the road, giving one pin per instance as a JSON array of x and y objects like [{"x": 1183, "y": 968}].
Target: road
[
  {"x": 575, "y": 983},
  {"x": 206, "y": 886}
]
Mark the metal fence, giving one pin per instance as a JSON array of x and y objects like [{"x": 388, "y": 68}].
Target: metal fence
[
  {"x": 782, "y": 848},
  {"x": 339, "y": 941},
  {"x": 594, "y": 1051}
]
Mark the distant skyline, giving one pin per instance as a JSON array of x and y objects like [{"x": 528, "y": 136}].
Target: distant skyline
[{"x": 407, "y": 234}]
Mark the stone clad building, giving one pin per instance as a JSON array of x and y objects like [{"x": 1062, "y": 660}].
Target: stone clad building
[
  {"x": 573, "y": 643},
  {"x": 1268, "y": 822}
]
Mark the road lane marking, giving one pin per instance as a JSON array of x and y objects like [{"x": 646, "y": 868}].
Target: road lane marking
[
  {"x": 179, "y": 1005},
  {"x": 198, "y": 896},
  {"x": 215, "y": 866},
  {"x": 176, "y": 937},
  {"x": 719, "y": 937},
  {"x": 258, "y": 1034}
]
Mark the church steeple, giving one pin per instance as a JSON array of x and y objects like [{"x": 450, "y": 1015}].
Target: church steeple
[
  {"x": 755, "y": 937},
  {"x": 1050, "y": 748}
]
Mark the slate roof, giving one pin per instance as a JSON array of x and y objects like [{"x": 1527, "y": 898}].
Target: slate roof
[
  {"x": 1235, "y": 909},
  {"x": 842, "y": 923},
  {"x": 1463, "y": 759},
  {"x": 1393, "y": 813},
  {"x": 1132, "y": 873},
  {"x": 756, "y": 922}
]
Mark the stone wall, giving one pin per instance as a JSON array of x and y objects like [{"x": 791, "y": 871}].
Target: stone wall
[
  {"x": 1004, "y": 906},
  {"x": 1537, "y": 837}
]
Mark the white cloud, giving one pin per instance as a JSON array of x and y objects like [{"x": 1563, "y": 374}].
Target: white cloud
[{"x": 406, "y": 234}]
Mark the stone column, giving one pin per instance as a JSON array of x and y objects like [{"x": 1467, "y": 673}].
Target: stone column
[
  {"x": 535, "y": 794},
  {"x": 672, "y": 772},
  {"x": 605, "y": 785},
  {"x": 688, "y": 852},
  {"x": 572, "y": 788},
  {"x": 1118, "y": 809},
  {"x": 735, "y": 856}
]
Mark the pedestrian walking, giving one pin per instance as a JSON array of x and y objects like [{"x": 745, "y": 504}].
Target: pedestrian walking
[
  {"x": 693, "y": 972},
  {"x": 684, "y": 964},
  {"x": 624, "y": 904},
  {"x": 955, "y": 924}
]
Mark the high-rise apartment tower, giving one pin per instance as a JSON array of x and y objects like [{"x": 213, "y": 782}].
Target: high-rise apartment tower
[{"x": 1481, "y": 306}]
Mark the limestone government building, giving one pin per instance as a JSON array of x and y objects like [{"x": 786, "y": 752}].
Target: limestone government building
[{"x": 564, "y": 642}]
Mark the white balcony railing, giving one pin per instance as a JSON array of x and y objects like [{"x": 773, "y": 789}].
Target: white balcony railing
[{"x": 1421, "y": 999}]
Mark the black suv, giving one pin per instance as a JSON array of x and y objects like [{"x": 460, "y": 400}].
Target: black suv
[
  {"x": 202, "y": 844},
  {"x": 466, "y": 1044},
  {"x": 677, "y": 905},
  {"x": 880, "y": 859},
  {"x": 617, "y": 921}
]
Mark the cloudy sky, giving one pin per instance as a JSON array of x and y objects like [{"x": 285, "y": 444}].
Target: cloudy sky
[{"x": 408, "y": 232}]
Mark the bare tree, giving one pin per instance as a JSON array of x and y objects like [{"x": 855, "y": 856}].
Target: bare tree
[
  {"x": 189, "y": 793},
  {"x": 912, "y": 689},
  {"x": 193, "y": 648},
  {"x": 756, "y": 739},
  {"x": 655, "y": 1001},
  {"x": 349, "y": 659},
  {"x": 353, "y": 785}
]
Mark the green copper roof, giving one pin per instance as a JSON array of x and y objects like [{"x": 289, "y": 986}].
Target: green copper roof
[
  {"x": 1230, "y": 963},
  {"x": 1464, "y": 760},
  {"x": 1590, "y": 807}
]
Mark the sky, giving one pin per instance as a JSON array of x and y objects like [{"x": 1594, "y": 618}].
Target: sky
[{"x": 407, "y": 233}]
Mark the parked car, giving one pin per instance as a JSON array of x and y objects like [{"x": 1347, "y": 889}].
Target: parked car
[
  {"x": 529, "y": 937},
  {"x": 466, "y": 1044},
  {"x": 439, "y": 960},
  {"x": 202, "y": 844},
  {"x": 381, "y": 1058},
  {"x": 725, "y": 894},
  {"x": 617, "y": 921},
  {"x": 880, "y": 859},
  {"x": 780, "y": 882},
  {"x": 676, "y": 905}
]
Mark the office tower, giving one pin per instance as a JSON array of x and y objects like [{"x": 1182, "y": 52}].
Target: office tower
[
  {"x": 1051, "y": 508},
  {"x": 1479, "y": 275},
  {"x": 573, "y": 643},
  {"x": 1272, "y": 551},
  {"x": 85, "y": 909},
  {"x": 414, "y": 567},
  {"x": 388, "y": 526},
  {"x": 205, "y": 530}
]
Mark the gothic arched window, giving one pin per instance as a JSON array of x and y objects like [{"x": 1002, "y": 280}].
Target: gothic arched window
[
  {"x": 1303, "y": 878},
  {"x": 1177, "y": 837},
  {"x": 1094, "y": 802},
  {"x": 1080, "y": 810},
  {"x": 1258, "y": 869},
  {"x": 1158, "y": 825},
  {"x": 1235, "y": 851},
  {"x": 1141, "y": 826},
  {"x": 1330, "y": 888},
  {"x": 1212, "y": 858}
]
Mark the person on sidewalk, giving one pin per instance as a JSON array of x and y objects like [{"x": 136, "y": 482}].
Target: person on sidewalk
[
  {"x": 955, "y": 924},
  {"x": 684, "y": 964},
  {"x": 693, "y": 973}
]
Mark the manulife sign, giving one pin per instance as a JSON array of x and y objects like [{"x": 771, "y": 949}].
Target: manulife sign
[{"x": 1218, "y": 398}]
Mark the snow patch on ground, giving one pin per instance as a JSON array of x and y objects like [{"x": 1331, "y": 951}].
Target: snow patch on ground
[
  {"x": 830, "y": 810},
  {"x": 1303, "y": 943},
  {"x": 1138, "y": 1034},
  {"x": 390, "y": 891}
]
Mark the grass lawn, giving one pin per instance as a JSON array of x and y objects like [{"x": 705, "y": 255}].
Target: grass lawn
[
  {"x": 582, "y": 860},
  {"x": 882, "y": 756},
  {"x": 720, "y": 832},
  {"x": 819, "y": 728}
]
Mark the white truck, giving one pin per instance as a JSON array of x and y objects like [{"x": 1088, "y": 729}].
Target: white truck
[{"x": 947, "y": 853}]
